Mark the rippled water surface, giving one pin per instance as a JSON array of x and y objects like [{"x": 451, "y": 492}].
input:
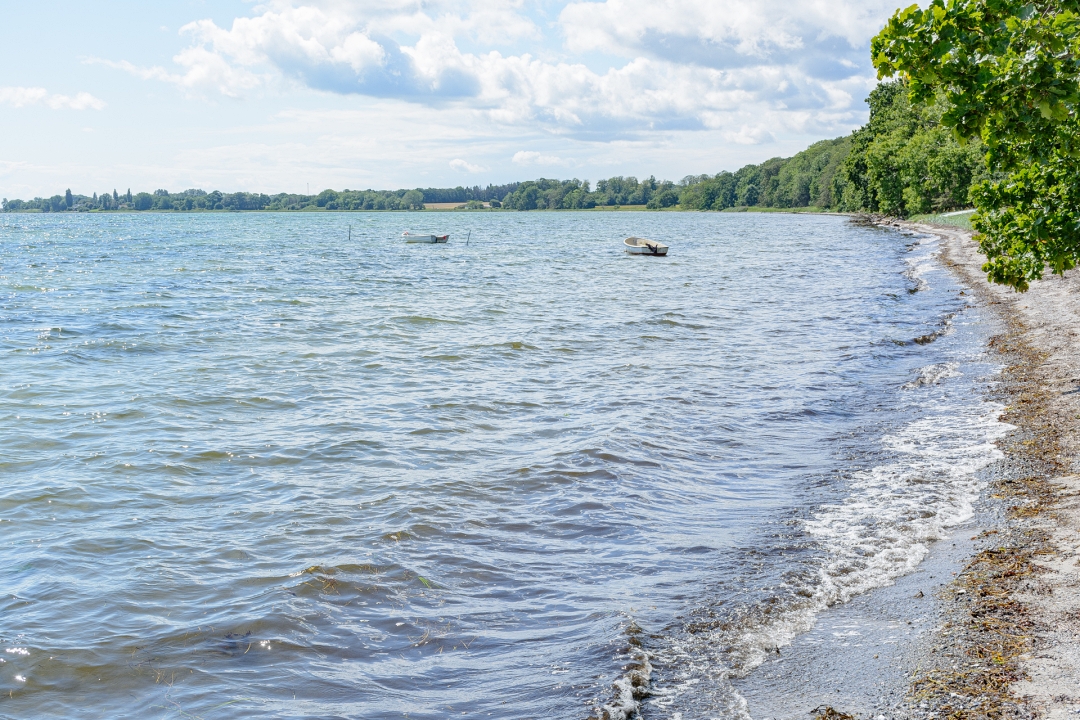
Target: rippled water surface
[{"x": 250, "y": 468}]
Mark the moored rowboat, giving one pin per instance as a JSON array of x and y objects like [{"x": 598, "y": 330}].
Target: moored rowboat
[
  {"x": 641, "y": 246},
  {"x": 431, "y": 239}
]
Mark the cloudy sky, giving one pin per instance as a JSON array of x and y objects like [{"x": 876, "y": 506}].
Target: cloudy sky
[{"x": 285, "y": 95}]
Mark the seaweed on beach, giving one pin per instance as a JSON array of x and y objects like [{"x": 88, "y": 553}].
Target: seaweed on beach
[
  {"x": 979, "y": 651},
  {"x": 996, "y": 631}
]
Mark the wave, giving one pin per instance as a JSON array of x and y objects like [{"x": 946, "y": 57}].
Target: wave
[
  {"x": 932, "y": 375},
  {"x": 882, "y": 529}
]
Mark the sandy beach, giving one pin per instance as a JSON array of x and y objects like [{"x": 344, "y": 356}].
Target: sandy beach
[{"x": 1009, "y": 645}]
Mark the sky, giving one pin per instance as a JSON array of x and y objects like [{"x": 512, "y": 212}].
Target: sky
[{"x": 292, "y": 96}]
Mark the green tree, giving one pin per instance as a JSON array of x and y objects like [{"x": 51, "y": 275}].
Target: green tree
[
  {"x": 1008, "y": 72},
  {"x": 143, "y": 201},
  {"x": 664, "y": 197},
  {"x": 904, "y": 161},
  {"x": 413, "y": 200},
  {"x": 325, "y": 197}
]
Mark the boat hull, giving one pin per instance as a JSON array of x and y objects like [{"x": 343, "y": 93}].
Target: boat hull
[
  {"x": 641, "y": 246},
  {"x": 427, "y": 239}
]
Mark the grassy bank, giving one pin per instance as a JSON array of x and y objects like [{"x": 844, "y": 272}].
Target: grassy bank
[{"x": 960, "y": 220}]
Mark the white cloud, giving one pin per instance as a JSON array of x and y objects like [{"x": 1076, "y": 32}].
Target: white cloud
[
  {"x": 749, "y": 135},
  {"x": 22, "y": 96},
  {"x": 81, "y": 101},
  {"x": 675, "y": 65},
  {"x": 25, "y": 96},
  {"x": 459, "y": 164},
  {"x": 530, "y": 157},
  {"x": 381, "y": 144},
  {"x": 205, "y": 71},
  {"x": 716, "y": 30}
]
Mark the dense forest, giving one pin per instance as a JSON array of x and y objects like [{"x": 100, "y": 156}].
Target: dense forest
[{"x": 902, "y": 162}]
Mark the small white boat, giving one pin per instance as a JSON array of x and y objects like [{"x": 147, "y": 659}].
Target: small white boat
[
  {"x": 641, "y": 246},
  {"x": 430, "y": 239}
]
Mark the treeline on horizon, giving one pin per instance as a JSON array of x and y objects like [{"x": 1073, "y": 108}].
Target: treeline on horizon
[
  {"x": 903, "y": 162},
  {"x": 200, "y": 200}
]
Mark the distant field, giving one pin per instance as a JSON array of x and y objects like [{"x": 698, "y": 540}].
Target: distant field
[{"x": 960, "y": 220}]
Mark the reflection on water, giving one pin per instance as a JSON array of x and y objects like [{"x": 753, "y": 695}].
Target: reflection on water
[{"x": 252, "y": 469}]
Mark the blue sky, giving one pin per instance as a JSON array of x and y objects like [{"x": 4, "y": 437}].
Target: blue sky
[{"x": 282, "y": 96}]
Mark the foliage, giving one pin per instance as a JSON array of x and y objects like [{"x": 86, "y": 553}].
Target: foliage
[
  {"x": 900, "y": 163},
  {"x": 200, "y": 200},
  {"x": 413, "y": 200},
  {"x": 544, "y": 194},
  {"x": 903, "y": 162},
  {"x": 1007, "y": 72},
  {"x": 800, "y": 181},
  {"x": 461, "y": 194}
]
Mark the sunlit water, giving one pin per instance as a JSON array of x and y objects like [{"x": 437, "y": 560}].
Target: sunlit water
[{"x": 250, "y": 468}]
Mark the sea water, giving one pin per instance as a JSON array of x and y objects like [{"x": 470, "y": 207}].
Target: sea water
[{"x": 286, "y": 465}]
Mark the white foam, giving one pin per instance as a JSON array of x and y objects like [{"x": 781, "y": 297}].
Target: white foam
[
  {"x": 932, "y": 375},
  {"x": 880, "y": 531},
  {"x": 883, "y": 529},
  {"x": 629, "y": 690}
]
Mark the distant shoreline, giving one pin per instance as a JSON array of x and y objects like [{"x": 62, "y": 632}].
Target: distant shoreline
[{"x": 456, "y": 209}]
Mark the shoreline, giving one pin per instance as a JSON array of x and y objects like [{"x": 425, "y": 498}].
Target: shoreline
[
  {"x": 446, "y": 208},
  {"x": 988, "y": 626},
  {"x": 1009, "y": 645},
  {"x": 857, "y": 660}
]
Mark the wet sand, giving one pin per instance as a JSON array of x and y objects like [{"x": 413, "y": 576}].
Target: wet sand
[{"x": 860, "y": 656}]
